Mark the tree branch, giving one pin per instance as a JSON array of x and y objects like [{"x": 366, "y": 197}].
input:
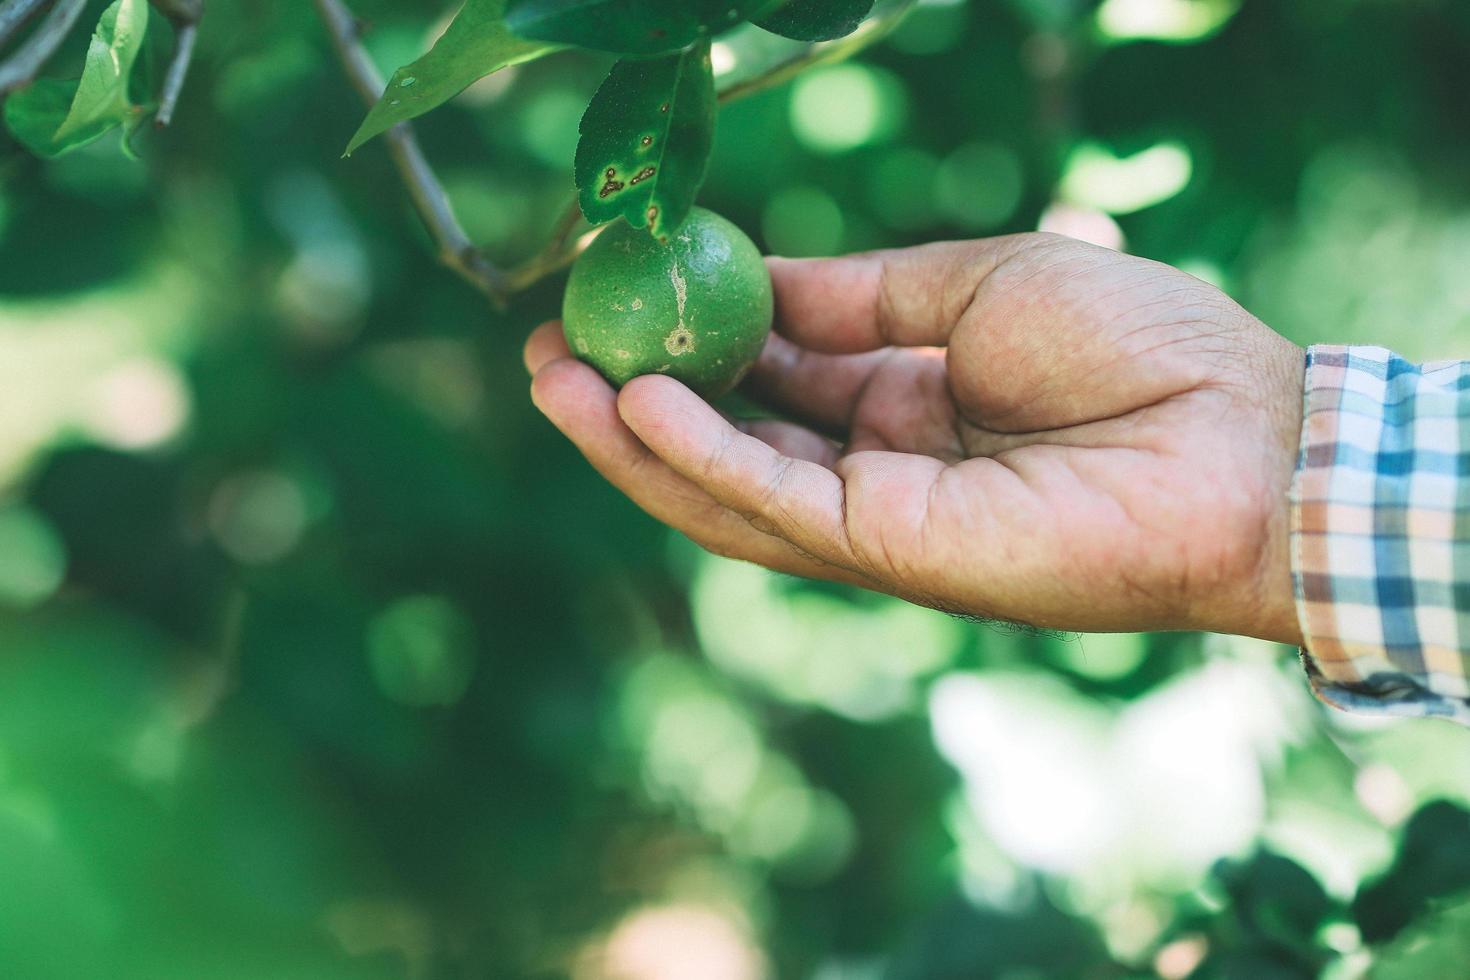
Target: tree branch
[
  {"x": 30, "y": 57},
  {"x": 14, "y": 14},
  {"x": 178, "y": 68},
  {"x": 564, "y": 243},
  {"x": 558, "y": 252},
  {"x": 429, "y": 198}
]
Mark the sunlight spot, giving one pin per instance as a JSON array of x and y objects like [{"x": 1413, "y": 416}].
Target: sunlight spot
[
  {"x": 722, "y": 58},
  {"x": 1180, "y": 958},
  {"x": 1163, "y": 20},
  {"x": 1383, "y": 793},
  {"x": 674, "y": 942},
  {"x": 1094, "y": 178},
  {"x": 846, "y": 106},
  {"x": 136, "y": 405},
  {"x": 258, "y": 516},
  {"x": 1083, "y": 224}
]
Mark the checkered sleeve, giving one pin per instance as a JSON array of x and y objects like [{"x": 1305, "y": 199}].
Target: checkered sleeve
[{"x": 1380, "y": 533}]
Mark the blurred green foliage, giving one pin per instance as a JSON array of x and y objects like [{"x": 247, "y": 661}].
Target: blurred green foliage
[{"x": 323, "y": 656}]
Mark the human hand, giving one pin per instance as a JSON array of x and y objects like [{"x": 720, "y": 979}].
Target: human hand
[{"x": 1025, "y": 428}]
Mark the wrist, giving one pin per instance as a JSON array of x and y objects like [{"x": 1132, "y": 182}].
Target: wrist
[{"x": 1282, "y": 387}]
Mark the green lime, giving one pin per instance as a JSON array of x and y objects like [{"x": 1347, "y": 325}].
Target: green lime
[{"x": 697, "y": 308}]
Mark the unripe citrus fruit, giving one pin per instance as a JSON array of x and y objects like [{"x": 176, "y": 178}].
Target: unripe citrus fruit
[{"x": 697, "y": 308}]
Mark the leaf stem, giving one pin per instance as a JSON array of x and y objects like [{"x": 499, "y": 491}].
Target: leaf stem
[
  {"x": 178, "y": 69},
  {"x": 28, "y": 59},
  {"x": 428, "y": 195}
]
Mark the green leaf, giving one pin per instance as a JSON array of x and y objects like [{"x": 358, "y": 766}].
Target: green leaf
[
  {"x": 628, "y": 26},
  {"x": 52, "y": 116},
  {"x": 646, "y": 139},
  {"x": 816, "y": 20},
  {"x": 102, "y": 93},
  {"x": 476, "y": 44},
  {"x": 34, "y": 113}
]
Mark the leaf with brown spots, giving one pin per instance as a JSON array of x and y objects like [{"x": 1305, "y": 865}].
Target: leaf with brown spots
[{"x": 646, "y": 139}]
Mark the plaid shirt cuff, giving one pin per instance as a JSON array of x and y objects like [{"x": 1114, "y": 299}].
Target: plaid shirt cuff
[{"x": 1380, "y": 533}]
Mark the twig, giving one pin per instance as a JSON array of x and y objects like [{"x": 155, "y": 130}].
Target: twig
[
  {"x": 564, "y": 243},
  {"x": 14, "y": 13},
  {"x": 178, "y": 68},
  {"x": 31, "y": 56},
  {"x": 870, "y": 32},
  {"x": 558, "y": 252},
  {"x": 429, "y": 198},
  {"x": 563, "y": 247}
]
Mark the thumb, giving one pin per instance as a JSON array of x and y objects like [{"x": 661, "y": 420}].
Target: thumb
[{"x": 908, "y": 297}]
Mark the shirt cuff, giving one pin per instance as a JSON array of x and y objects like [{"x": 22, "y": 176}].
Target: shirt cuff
[{"x": 1380, "y": 533}]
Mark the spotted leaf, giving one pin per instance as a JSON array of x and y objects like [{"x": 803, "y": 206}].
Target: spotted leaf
[{"x": 646, "y": 139}]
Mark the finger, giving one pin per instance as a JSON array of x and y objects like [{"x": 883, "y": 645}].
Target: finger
[
  {"x": 900, "y": 297},
  {"x": 584, "y": 407},
  {"x": 546, "y": 343},
  {"x": 792, "y": 440},
  {"x": 796, "y": 499},
  {"x": 897, "y": 398},
  {"x": 819, "y": 389}
]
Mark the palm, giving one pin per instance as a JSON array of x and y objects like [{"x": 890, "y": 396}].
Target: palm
[{"x": 1081, "y": 447}]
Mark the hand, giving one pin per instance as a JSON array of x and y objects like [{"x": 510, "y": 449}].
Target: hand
[{"x": 1026, "y": 428}]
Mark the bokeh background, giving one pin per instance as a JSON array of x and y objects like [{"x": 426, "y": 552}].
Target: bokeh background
[{"x": 322, "y": 655}]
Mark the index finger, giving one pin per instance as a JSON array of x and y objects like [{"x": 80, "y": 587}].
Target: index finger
[
  {"x": 795, "y": 499},
  {"x": 910, "y": 297}
]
